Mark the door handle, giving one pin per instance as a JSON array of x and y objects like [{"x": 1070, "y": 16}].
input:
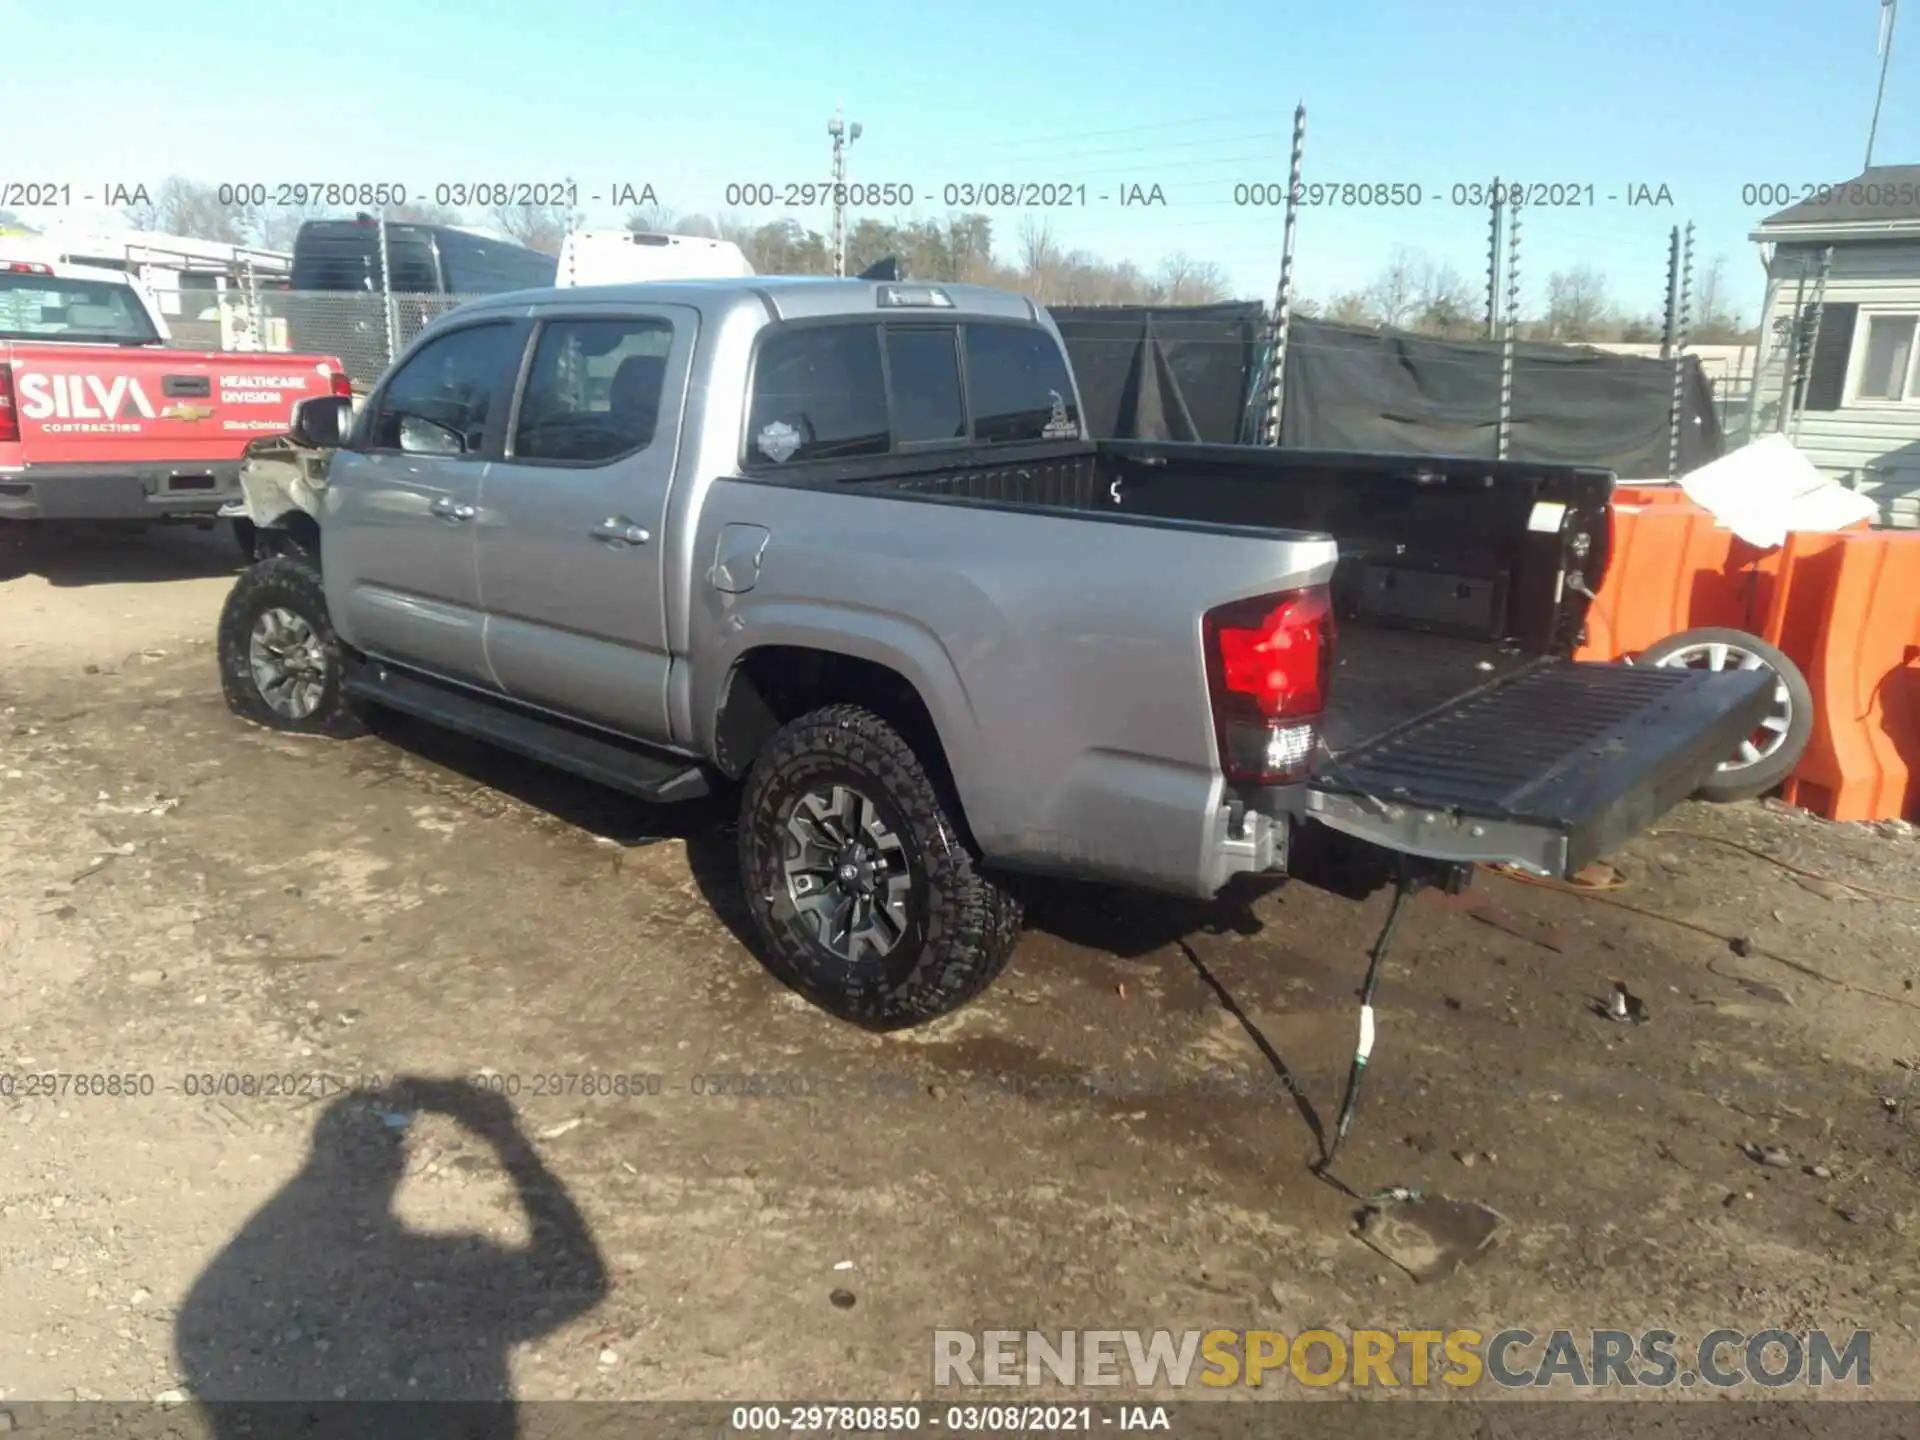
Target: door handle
[
  {"x": 621, "y": 531},
  {"x": 446, "y": 509}
]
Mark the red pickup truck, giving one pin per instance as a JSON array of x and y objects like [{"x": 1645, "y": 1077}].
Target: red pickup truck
[{"x": 101, "y": 420}]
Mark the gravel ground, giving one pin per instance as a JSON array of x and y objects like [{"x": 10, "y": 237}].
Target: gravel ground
[{"x": 605, "y": 1156}]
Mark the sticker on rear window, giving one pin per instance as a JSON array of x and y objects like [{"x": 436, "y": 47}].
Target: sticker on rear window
[
  {"x": 777, "y": 441},
  {"x": 1058, "y": 426}
]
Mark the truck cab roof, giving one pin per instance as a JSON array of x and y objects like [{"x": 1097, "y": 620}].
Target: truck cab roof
[{"x": 783, "y": 297}]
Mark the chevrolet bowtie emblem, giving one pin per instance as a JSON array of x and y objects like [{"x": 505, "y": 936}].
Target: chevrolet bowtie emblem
[{"x": 186, "y": 412}]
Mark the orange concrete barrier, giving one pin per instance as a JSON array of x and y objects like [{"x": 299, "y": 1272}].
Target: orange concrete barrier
[
  {"x": 1671, "y": 568},
  {"x": 1650, "y": 495},
  {"x": 1843, "y": 607},
  {"x": 1862, "y": 621}
]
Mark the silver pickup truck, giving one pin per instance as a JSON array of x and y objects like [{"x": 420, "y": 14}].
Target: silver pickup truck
[{"x": 846, "y": 546}]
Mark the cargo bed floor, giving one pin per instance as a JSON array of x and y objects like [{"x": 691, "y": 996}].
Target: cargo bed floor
[{"x": 1384, "y": 678}]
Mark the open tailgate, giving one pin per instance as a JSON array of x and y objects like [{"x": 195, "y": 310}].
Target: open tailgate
[{"x": 1549, "y": 767}]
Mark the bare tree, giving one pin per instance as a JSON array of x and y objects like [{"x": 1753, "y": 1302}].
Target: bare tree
[
  {"x": 538, "y": 227},
  {"x": 1715, "y": 320},
  {"x": 1394, "y": 295},
  {"x": 186, "y": 207},
  {"x": 958, "y": 248},
  {"x": 1352, "y": 307},
  {"x": 650, "y": 220},
  {"x": 1184, "y": 280},
  {"x": 416, "y": 213},
  {"x": 968, "y": 241},
  {"x": 1040, "y": 256},
  {"x": 1444, "y": 303},
  {"x": 276, "y": 227},
  {"x": 1578, "y": 306},
  {"x": 1640, "y": 330}
]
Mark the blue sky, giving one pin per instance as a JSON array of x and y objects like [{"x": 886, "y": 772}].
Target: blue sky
[{"x": 1701, "y": 96}]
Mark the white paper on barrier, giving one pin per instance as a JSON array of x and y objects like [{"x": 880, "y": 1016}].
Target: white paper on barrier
[{"x": 1763, "y": 490}]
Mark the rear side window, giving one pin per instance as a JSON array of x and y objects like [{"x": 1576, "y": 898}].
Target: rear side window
[
  {"x": 1018, "y": 383},
  {"x": 413, "y": 272},
  {"x": 818, "y": 394},
  {"x": 438, "y": 402},
  {"x": 924, "y": 367},
  {"x": 594, "y": 389}
]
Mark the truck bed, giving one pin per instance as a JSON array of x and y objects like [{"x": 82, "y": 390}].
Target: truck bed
[
  {"x": 1457, "y": 725},
  {"x": 1384, "y": 678}
]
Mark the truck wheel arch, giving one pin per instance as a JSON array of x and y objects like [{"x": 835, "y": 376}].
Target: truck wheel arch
[
  {"x": 293, "y": 533},
  {"x": 770, "y": 685}
]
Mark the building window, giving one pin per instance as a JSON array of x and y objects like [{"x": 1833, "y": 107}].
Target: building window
[{"x": 1886, "y": 359}]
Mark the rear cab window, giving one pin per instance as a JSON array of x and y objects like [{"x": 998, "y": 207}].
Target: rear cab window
[
  {"x": 1018, "y": 382},
  {"x": 848, "y": 390},
  {"x": 96, "y": 312},
  {"x": 818, "y": 394}
]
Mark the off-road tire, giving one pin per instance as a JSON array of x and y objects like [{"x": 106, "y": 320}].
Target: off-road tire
[
  {"x": 963, "y": 924},
  {"x": 1749, "y": 782},
  {"x": 289, "y": 583}
]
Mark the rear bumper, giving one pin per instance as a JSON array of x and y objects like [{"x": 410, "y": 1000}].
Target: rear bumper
[
  {"x": 184, "y": 489},
  {"x": 1249, "y": 836}
]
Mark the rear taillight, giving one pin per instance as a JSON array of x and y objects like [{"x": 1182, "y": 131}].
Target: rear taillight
[
  {"x": 9, "y": 417},
  {"x": 341, "y": 384},
  {"x": 1269, "y": 665}
]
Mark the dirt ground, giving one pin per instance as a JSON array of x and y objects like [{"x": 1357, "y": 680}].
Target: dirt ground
[{"x": 1101, "y": 1142}]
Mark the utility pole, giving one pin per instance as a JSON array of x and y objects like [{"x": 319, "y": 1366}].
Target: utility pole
[
  {"x": 1278, "y": 335},
  {"x": 1496, "y": 209},
  {"x": 1680, "y": 320},
  {"x": 1889, "y": 10},
  {"x": 1509, "y": 337},
  {"x": 843, "y": 136},
  {"x": 386, "y": 290}
]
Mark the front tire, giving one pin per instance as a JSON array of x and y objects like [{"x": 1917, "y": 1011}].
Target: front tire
[
  {"x": 281, "y": 665},
  {"x": 866, "y": 894}
]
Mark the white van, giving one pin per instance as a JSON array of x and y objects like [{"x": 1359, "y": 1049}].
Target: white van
[{"x": 616, "y": 257}]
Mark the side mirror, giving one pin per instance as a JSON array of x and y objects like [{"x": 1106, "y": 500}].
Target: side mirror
[{"x": 323, "y": 421}]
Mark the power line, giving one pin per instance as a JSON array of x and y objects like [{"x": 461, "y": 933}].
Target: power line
[
  {"x": 1138, "y": 129},
  {"x": 1077, "y": 154}
]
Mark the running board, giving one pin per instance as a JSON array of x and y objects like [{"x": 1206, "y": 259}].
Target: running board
[{"x": 619, "y": 764}]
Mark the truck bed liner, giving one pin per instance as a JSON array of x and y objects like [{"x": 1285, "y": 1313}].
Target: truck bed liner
[{"x": 1384, "y": 678}]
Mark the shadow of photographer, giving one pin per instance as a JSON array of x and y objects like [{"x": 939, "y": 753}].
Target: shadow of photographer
[{"x": 325, "y": 1296}]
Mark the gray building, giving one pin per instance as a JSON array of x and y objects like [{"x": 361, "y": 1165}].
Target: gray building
[{"x": 1840, "y": 334}]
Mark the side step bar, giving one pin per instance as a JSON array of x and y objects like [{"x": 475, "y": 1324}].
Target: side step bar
[{"x": 623, "y": 765}]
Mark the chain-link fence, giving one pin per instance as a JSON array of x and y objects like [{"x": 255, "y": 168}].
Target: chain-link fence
[{"x": 363, "y": 330}]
